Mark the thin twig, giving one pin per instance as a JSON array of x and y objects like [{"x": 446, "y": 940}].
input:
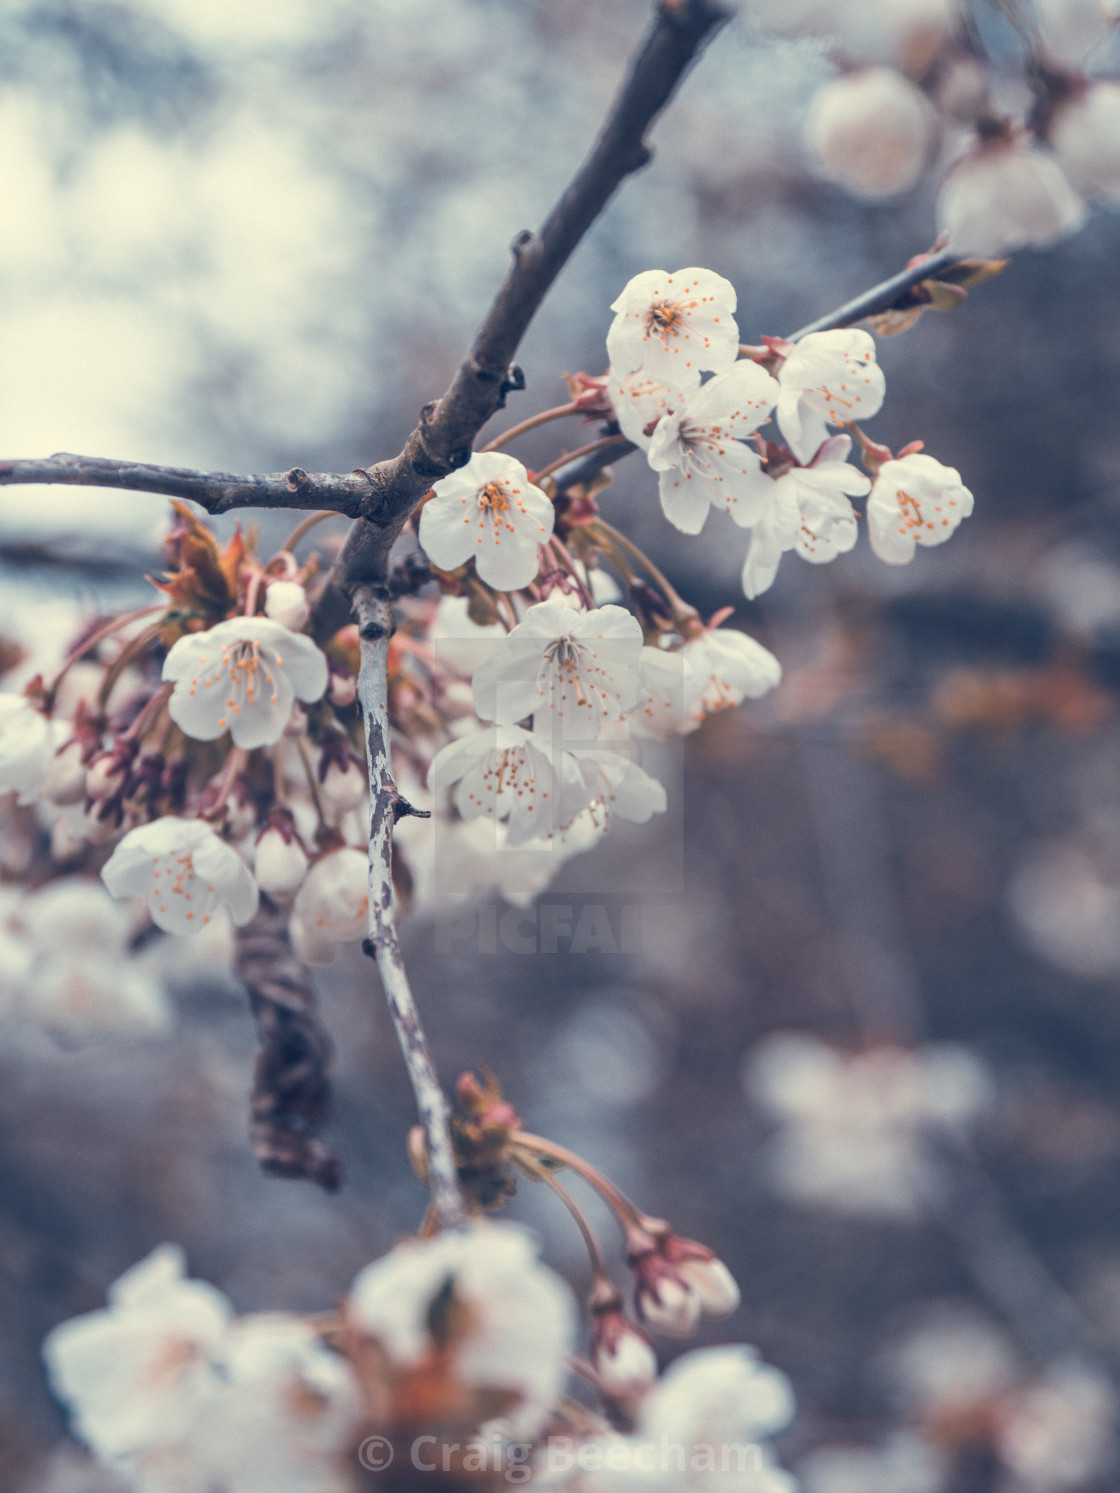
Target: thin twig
[
  {"x": 880, "y": 297},
  {"x": 375, "y": 627}
]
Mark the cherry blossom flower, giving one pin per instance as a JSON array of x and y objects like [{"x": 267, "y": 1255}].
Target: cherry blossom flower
[
  {"x": 872, "y": 131},
  {"x": 458, "y": 642},
  {"x": 903, "y": 1464},
  {"x": 331, "y": 906},
  {"x": 698, "y": 449},
  {"x": 1085, "y": 136},
  {"x": 135, "y": 1373},
  {"x": 621, "y": 1355},
  {"x": 1060, "y": 1432},
  {"x": 285, "y": 1414},
  {"x": 515, "y": 1328},
  {"x": 666, "y": 706},
  {"x": 807, "y": 509},
  {"x": 827, "y": 379},
  {"x": 674, "y": 326},
  {"x": 185, "y": 871},
  {"x": 915, "y": 500},
  {"x": 727, "y": 667},
  {"x": 488, "y": 509},
  {"x": 852, "y": 1124},
  {"x": 504, "y": 772},
  {"x": 639, "y": 401},
  {"x": 571, "y": 671},
  {"x": 611, "y": 783},
  {"x": 242, "y": 676},
  {"x": 28, "y": 742},
  {"x": 286, "y": 602},
  {"x": 1007, "y": 195},
  {"x": 1073, "y": 28}
]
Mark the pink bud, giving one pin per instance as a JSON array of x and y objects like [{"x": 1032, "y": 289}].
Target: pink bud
[
  {"x": 342, "y": 689},
  {"x": 279, "y": 866},
  {"x": 622, "y": 1356},
  {"x": 714, "y": 1284}
]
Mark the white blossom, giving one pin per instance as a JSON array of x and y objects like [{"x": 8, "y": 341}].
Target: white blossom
[
  {"x": 28, "y": 742},
  {"x": 611, "y": 782},
  {"x": 667, "y": 703},
  {"x": 331, "y": 906},
  {"x": 1061, "y": 1431},
  {"x": 950, "y": 1363},
  {"x": 285, "y": 1413},
  {"x": 342, "y": 787},
  {"x": 718, "y": 1394},
  {"x": 674, "y": 326},
  {"x": 186, "y": 872},
  {"x": 242, "y": 676},
  {"x": 622, "y": 1357},
  {"x": 1007, "y": 195},
  {"x": 571, "y": 671},
  {"x": 286, "y": 602},
  {"x": 806, "y": 510},
  {"x": 1073, "y": 28},
  {"x": 279, "y": 864},
  {"x": 516, "y": 1328},
  {"x": 458, "y": 642},
  {"x": 504, "y": 772},
  {"x": 903, "y": 1464},
  {"x": 829, "y": 378},
  {"x": 872, "y": 130},
  {"x": 639, "y": 401},
  {"x": 914, "y": 500},
  {"x": 488, "y": 509},
  {"x": 727, "y": 667},
  {"x": 699, "y": 453},
  {"x": 852, "y": 1124},
  {"x": 134, "y": 1374},
  {"x": 1085, "y": 136}
]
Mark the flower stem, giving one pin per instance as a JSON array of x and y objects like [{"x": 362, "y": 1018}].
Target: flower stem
[
  {"x": 531, "y": 423},
  {"x": 633, "y": 1220},
  {"x": 599, "y": 445},
  {"x": 375, "y": 628},
  {"x": 91, "y": 642},
  {"x": 304, "y": 528},
  {"x": 682, "y": 612}
]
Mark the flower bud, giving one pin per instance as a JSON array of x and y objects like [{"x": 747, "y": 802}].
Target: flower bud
[
  {"x": 342, "y": 783},
  {"x": 621, "y": 1354},
  {"x": 108, "y": 772},
  {"x": 663, "y": 1298},
  {"x": 286, "y": 602},
  {"x": 280, "y": 863},
  {"x": 342, "y": 689},
  {"x": 714, "y": 1284},
  {"x": 66, "y": 781},
  {"x": 872, "y": 131}
]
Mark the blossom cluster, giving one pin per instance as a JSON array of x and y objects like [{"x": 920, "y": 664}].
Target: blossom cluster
[
  {"x": 965, "y": 1394},
  {"x": 668, "y": 331},
  {"x": 853, "y": 1127},
  {"x": 1022, "y": 144},
  {"x": 466, "y": 1333}
]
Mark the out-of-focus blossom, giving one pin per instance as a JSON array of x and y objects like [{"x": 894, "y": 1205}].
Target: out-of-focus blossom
[
  {"x": 489, "y": 510},
  {"x": 1085, "y": 136},
  {"x": 1004, "y": 195},
  {"x": 699, "y": 453},
  {"x": 949, "y": 1365},
  {"x": 28, "y": 742},
  {"x": 827, "y": 379},
  {"x": 727, "y": 667},
  {"x": 285, "y": 1414},
  {"x": 903, "y": 33},
  {"x": 1067, "y": 905},
  {"x": 903, "y": 1464},
  {"x": 286, "y": 602},
  {"x": 674, "y": 327},
  {"x": 872, "y": 131},
  {"x": 852, "y": 1125},
  {"x": 1073, "y": 28},
  {"x": 621, "y": 1355},
  {"x": 458, "y": 642},
  {"x": 331, "y": 906},
  {"x": 914, "y": 500},
  {"x": 135, "y": 1373},
  {"x": 639, "y": 401},
  {"x": 570, "y": 671},
  {"x": 1060, "y": 1432},
  {"x": 505, "y": 1322},
  {"x": 185, "y": 871},
  {"x": 242, "y": 676}
]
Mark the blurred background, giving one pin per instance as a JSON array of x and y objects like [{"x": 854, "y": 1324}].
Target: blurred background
[{"x": 248, "y": 235}]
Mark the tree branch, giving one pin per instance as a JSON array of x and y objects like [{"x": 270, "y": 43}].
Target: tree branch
[
  {"x": 375, "y": 628},
  {"x": 291, "y": 1084},
  {"x": 217, "y": 492},
  {"x": 882, "y": 297}
]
